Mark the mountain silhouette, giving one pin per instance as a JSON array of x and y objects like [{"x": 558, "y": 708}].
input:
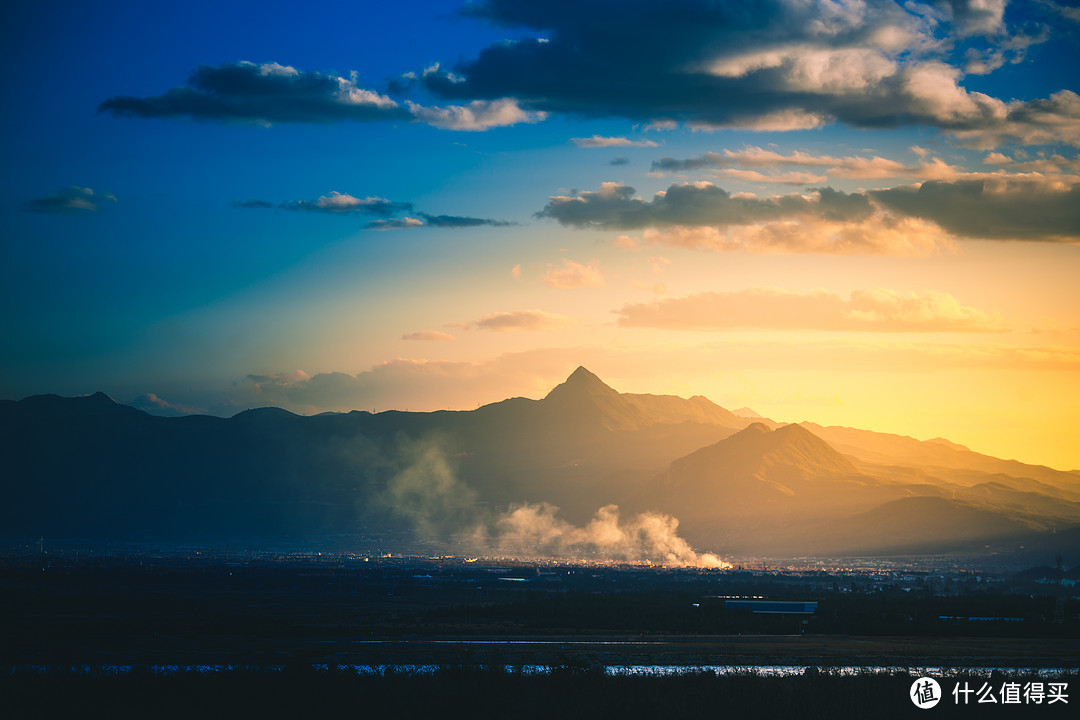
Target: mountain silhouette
[
  {"x": 89, "y": 467},
  {"x": 584, "y": 397}
]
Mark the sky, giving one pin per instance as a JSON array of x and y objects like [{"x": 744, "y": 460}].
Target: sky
[{"x": 859, "y": 213}]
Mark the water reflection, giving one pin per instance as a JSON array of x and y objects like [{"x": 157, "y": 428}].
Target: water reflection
[{"x": 610, "y": 670}]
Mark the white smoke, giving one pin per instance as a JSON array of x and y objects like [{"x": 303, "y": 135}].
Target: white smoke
[
  {"x": 424, "y": 490},
  {"x": 534, "y": 531}
]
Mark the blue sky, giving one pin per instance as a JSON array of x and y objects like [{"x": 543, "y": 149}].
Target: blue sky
[{"x": 867, "y": 211}]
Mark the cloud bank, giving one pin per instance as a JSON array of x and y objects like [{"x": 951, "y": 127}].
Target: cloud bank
[
  {"x": 876, "y": 310},
  {"x": 268, "y": 93},
  {"x": 775, "y": 65},
  {"x": 917, "y": 219},
  {"x": 772, "y": 65}
]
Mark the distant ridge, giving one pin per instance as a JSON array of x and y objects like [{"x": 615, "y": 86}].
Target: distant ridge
[
  {"x": 89, "y": 467},
  {"x": 757, "y": 450}
]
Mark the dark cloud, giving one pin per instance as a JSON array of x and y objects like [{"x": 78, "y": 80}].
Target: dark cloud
[
  {"x": 71, "y": 200},
  {"x": 995, "y": 208},
  {"x": 458, "y": 221},
  {"x": 267, "y": 93},
  {"x": 262, "y": 93},
  {"x": 621, "y": 160},
  {"x": 388, "y": 212},
  {"x": 616, "y": 207},
  {"x": 767, "y": 65},
  {"x": 774, "y": 64},
  {"x": 998, "y": 209},
  {"x": 974, "y": 17}
]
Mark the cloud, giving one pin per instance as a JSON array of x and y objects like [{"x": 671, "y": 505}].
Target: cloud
[
  {"x": 522, "y": 320},
  {"x": 879, "y": 234},
  {"x": 1068, "y": 12},
  {"x": 154, "y": 405},
  {"x": 418, "y": 384},
  {"x": 429, "y": 335},
  {"x": 1055, "y": 119},
  {"x": 615, "y": 206},
  {"x": 905, "y": 220},
  {"x": 515, "y": 272},
  {"x": 597, "y": 141},
  {"x": 342, "y": 204},
  {"x": 406, "y": 383},
  {"x": 1000, "y": 209},
  {"x": 573, "y": 275},
  {"x": 458, "y": 221},
  {"x": 974, "y": 17},
  {"x": 394, "y": 224},
  {"x": 267, "y": 93},
  {"x": 337, "y": 203},
  {"x": 253, "y": 204},
  {"x": 789, "y": 64},
  {"x": 755, "y": 158},
  {"x": 72, "y": 200},
  {"x": 875, "y": 310},
  {"x": 476, "y": 116},
  {"x": 621, "y": 160},
  {"x": 262, "y": 93}
]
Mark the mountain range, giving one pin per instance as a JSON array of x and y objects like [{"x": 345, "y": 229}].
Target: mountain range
[{"x": 740, "y": 485}]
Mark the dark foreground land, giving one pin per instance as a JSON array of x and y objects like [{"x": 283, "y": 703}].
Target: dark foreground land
[
  {"x": 163, "y": 635},
  {"x": 454, "y": 692}
]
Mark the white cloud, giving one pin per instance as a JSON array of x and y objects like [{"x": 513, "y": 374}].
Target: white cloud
[
  {"x": 597, "y": 141},
  {"x": 479, "y": 115}
]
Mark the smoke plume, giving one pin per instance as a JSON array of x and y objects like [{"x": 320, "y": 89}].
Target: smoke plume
[
  {"x": 534, "y": 531},
  {"x": 423, "y": 491}
]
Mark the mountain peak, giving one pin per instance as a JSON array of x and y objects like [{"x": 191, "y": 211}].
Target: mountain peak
[
  {"x": 582, "y": 375},
  {"x": 582, "y": 381},
  {"x": 758, "y": 445},
  {"x": 584, "y": 397}
]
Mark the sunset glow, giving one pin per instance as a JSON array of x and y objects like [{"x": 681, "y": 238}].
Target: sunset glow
[{"x": 856, "y": 213}]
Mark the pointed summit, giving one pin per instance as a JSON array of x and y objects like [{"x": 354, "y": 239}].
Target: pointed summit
[
  {"x": 582, "y": 381},
  {"x": 584, "y": 398}
]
